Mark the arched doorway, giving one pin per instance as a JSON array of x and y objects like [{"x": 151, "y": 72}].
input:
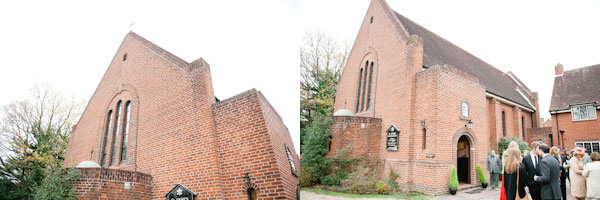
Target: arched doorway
[{"x": 463, "y": 160}]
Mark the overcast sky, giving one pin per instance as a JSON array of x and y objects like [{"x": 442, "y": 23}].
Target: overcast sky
[
  {"x": 69, "y": 44},
  {"x": 526, "y": 37}
]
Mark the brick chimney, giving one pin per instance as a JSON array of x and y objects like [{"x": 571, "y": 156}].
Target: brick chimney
[{"x": 558, "y": 69}]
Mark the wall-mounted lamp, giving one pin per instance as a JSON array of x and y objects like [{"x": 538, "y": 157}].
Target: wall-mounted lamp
[
  {"x": 469, "y": 124},
  {"x": 422, "y": 123},
  {"x": 247, "y": 179}
]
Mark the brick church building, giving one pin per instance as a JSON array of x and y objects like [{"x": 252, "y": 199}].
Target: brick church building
[
  {"x": 153, "y": 128},
  {"x": 422, "y": 105},
  {"x": 575, "y": 107}
]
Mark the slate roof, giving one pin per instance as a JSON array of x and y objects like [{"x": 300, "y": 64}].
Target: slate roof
[
  {"x": 439, "y": 51},
  {"x": 576, "y": 86}
]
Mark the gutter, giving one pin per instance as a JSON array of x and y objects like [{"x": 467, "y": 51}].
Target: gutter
[{"x": 509, "y": 102}]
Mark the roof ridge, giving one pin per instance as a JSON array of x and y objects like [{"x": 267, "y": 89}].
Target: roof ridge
[{"x": 397, "y": 13}]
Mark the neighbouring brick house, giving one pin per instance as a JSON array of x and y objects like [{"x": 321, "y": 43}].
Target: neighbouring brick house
[
  {"x": 423, "y": 105},
  {"x": 154, "y": 123},
  {"x": 575, "y": 107}
]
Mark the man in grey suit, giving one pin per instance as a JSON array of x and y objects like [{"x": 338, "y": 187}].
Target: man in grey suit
[
  {"x": 494, "y": 164},
  {"x": 550, "y": 169}
]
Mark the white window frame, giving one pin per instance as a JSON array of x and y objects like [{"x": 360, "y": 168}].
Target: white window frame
[
  {"x": 591, "y": 143},
  {"x": 591, "y": 115}
]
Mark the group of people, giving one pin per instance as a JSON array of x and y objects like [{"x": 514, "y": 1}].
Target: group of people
[{"x": 544, "y": 172}]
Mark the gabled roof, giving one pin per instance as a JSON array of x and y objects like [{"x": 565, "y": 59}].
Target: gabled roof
[
  {"x": 576, "y": 86},
  {"x": 439, "y": 51}
]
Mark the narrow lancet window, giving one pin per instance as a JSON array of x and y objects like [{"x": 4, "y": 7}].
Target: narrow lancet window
[
  {"x": 115, "y": 135},
  {"x": 369, "y": 87},
  {"x": 364, "y": 87},
  {"x": 106, "y": 131},
  {"x": 125, "y": 131},
  {"x": 358, "y": 90}
]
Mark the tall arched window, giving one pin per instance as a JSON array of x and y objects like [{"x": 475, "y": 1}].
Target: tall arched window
[
  {"x": 358, "y": 90},
  {"x": 424, "y": 138},
  {"x": 125, "y": 131},
  {"x": 369, "y": 91},
  {"x": 115, "y": 135},
  {"x": 503, "y": 124},
  {"x": 364, "y": 87},
  {"x": 106, "y": 131},
  {"x": 523, "y": 126}
]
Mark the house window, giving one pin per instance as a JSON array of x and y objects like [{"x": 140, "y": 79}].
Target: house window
[
  {"x": 115, "y": 135},
  {"x": 125, "y": 57},
  {"x": 590, "y": 146},
  {"x": 465, "y": 109},
  {"x": 503, "y": 124},
  {"x": 583, "y": 112},
  {"x": 290, "y": 159},
  {"x": 371, "y": 19},
  {"x": 125, "y": 131},
  {"x": 106, "y": 131},
  {"x": 369, "y": 91}
]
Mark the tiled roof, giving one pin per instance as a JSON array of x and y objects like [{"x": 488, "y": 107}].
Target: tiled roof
[
  {"x": 439, "y": 51},
  {"x": 576, "y": 86}
]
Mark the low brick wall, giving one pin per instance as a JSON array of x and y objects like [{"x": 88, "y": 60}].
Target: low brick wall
[
  {"x": 361, "y": 134},
  {"x": 102, "y": 183}
]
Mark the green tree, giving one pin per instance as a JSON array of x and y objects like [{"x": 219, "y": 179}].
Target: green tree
[
  {"x": 503, "y": 144},
  {"x": 57, "y": 185},
  {"x": 322, "y": 59},
  {"x": 34, "y": 132},
  {"x": 315, "y": 147}
]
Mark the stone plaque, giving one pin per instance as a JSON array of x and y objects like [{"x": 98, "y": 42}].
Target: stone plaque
[
  {"x": 392, "y": 138},
  {"x": 180, "y": 193}
]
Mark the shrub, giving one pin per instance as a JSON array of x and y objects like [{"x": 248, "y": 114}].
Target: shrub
[
  {"x": 503, "y": 144},
  {"x": 315, "y": 147},
  {"x": 335, "y": 178},
  {"x": 58, "y": 185},
  {"x": 363, "y": 178},
  {"x": 453, "y": 184},
  {"x": 480, "y": 175},
  {"x": 382, "y": 188},
  {"x": 392, "y": 180},
  {"x": 306, "y": 178}
]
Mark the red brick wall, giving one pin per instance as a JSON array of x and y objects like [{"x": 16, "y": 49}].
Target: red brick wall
[
  {"x": 404, "y": 95},
  {"x": 251, "y": 140},
  {"x": 173, "y": 135},
  {"x": 96, "y": 183},
  {"x": 348, "y": 135},
  {"x": 575, "y": 131},
  {"x": 539, "y": 134}
]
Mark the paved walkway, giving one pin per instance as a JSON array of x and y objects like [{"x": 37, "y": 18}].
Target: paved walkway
[{"x": 475, "y": 194}]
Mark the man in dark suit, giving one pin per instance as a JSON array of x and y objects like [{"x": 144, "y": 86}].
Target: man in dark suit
[
  {"x": 532, "y": 165},
  {"x": 550, "y": 169},
  {"x": 563, "y": 175}
]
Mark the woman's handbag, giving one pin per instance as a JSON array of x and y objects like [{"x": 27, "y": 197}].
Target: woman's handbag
[{"x": 517, "y": 197}]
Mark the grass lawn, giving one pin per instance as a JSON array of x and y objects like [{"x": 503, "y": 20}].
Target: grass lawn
[{"x": 381, "y": 196}]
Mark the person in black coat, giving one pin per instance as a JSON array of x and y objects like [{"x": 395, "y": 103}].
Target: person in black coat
[
  {"x": 532, "y": 168},
  {"x": 515, "y": 175},
  {"x": 550, "y": 169},
  {"x": 562, "y": 160}
]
